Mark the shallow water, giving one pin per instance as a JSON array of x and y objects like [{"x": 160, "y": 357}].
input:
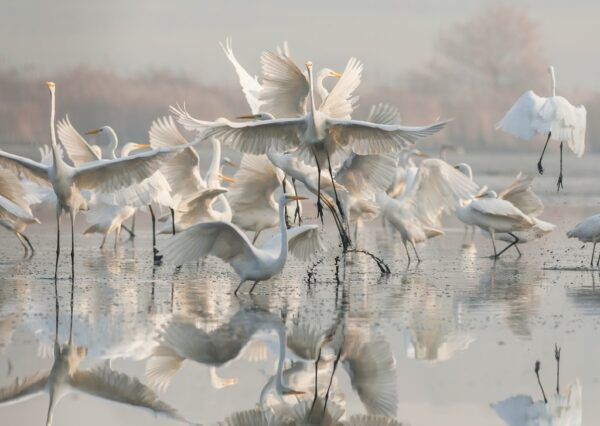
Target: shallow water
[{"x": 462, "y": 331}]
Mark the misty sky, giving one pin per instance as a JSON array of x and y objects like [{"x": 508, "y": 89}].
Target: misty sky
[{"x": 183, "y": 35}]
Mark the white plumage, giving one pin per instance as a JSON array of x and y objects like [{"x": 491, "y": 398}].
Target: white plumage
[{"x": 588, "y": 231}]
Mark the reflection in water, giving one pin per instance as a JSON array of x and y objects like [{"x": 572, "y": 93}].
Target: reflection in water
[
  {"x": 587, "y": 297},
  {"x": 65, "y": 376}
]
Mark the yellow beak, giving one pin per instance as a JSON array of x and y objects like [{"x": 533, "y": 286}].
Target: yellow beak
[
  {"x": 50, "y": 84},
  {"x": 247, "y": 117},
  {"x": 142, "y": 145},
  {"x": 295, "y": 197},
  {"x": 335, "y": 74},
  {"x": 292, "y": 392},
  {"x": 226, "y": 179},
  {"x": 93, "y": 132}
]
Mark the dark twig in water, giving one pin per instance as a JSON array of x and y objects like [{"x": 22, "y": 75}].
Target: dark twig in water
[
  {"x": 557, "y": 357},
  {"x": 383, "y": 267},
  {"x": 537, "y": 373},
  {"x": 337, "y": 270}
]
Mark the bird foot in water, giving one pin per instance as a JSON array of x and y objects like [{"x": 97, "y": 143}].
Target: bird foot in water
[
  {"x": 540, "y": 168},
  {"x": 559, "y": 183},
  {"x": 157, "y": 257}
]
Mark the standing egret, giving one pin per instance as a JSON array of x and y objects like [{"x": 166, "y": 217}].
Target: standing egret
[
  {"x": 317, "y": 134},
  {"x": 228, "y": 242},
  {"x": 588, "y": 231},
  {"x": 104, "y": 176},
  {"x": 554, "y": 116}
]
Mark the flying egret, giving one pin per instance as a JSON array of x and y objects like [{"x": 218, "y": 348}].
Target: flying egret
[
  {"x": 431, "y": 190},
  {"x": 316, "y": 134},
  {"x": 103, "y": 176},
  {"x": 554, "y": 116},
  {"x": 588, "y": 231},
  {"x": 228, "y": 242},
  {"x": 15, "y": 212}
]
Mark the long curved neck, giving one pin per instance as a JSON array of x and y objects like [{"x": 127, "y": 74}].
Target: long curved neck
[
  {"x": 323, "y": 93},
  {"x": 212, "y": 177},
  {"x": 553, "y": 81},
  {"x": 311, "y": 91},
  {"x": 52, "y": 129},
  {"x": 113, "y": 142}
]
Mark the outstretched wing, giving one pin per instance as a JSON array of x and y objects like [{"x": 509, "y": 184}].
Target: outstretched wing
[
  {"x": 498, "y": 207},
  {"x": 29, "y": 169},
  {"x": 250, "y": 85},
  {"x": 436, "y": 187},
  {"x": 255, "y": 182},
  {"x": 220, "y": 239},
  {"x": 183, "y": 170},
  {"x": 303, "y": 242},
  {"x": 284, "y": 87},
  {"x": 372, "y": 138},
  {"x": 340, "y": 102},
  {"x": 367, "y": 174},
  {"x": 565, "y": 121},
  {"x": 12, "y": 189},
  {"x": 521, "y": 195},
  {"x": 109, "y": 384},
  {"x": 384, "y": 114},
  {"x": 77, "y": 148},
  {"x": 251, "y": 137},
  {"x": 22, "y": 389},
  {"x": 520, "y": 118},
  {"x": 111, "y": 175}
]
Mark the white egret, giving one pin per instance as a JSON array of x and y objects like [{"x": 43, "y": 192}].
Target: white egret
[
  {"x": 553, "y": 116},
  {"x": 118, "y": 206},
  {"x": 228, "y": 242},
  {"x": 588, "y": 231},
  {"x": 104, "y": 176},
  {"x": 431, "y": 190},
  {"x": 316, "y": 134},
  {"x": 15, "y": 213},
  {"x": 494, "y": 215}
]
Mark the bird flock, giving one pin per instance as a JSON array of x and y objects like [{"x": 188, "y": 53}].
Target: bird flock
[{"x": 298, "y": 138}]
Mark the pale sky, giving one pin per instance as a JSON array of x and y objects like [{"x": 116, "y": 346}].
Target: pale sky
[{"x": 182, "y": 35}]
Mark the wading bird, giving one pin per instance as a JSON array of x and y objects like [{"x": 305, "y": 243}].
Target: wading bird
[
  {"x": 103, "y": 176},
  {"x": 553, "y": 116},
  {"x": 229, "y": 243},
  {"x": 588, "y": 231}
]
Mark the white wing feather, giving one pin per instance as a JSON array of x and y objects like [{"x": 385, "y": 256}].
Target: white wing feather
[
  {"x": 26, "y": 167},
  {"x": 303, "y": 242},
  {"x": 340, "y": 102},
  {"x": 77, "y": 148},
  {"x": 250, "y": 85},
  {"x": 284, "y": 88},
  {"x": 521, "y": 195}
]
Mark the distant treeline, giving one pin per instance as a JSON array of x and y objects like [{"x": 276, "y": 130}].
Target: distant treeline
[{"x": 478, "y": 69}]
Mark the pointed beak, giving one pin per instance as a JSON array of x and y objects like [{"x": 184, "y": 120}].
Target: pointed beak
[
  {"x": 292, "y": 392},
  {"x": 335, "y": 74},
  {"x": 295, "y": 198},
  {"x": 247, "y": 117},
  {"x": 142, "y": 145},
  {"x": 93, "y": 132},
  {"x": 226, "y": 179},
  {"x": 231, "y": 163}
]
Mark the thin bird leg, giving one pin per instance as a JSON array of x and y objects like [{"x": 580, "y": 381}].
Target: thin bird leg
[
  {"x": 337, "y": 200},
  {"x": 415, "y": 249},
  {"x": 518, "y": 250},
  {"x": 117, "y": 234},
  {"x": 516, "y": 241},
  {"x": 285, "y": 207},
  {"x": 57, "y": 241},
  {"x": 493, "y": 235},
  {"x": 338, "y": 223},
  {"x": 597, "y": 261},
  {"x": 253, "y": 285},
  {"x": 256, "y": 234},
  {"x": 129, "y": 231},
  {"x": 103, "y": 241},
  {"x": 22, "y": 241},
  {"x": 238, "y": 287},
  {"x": 297, "y": 211},
  {"x": 72, "y": 244},
  {"x": 557, "y": 357},
  {"x": 537, "y": 373},
  {"x": 172, "y": 220},
  {"x": 593, "y": 251},
  {"x": 156, "y": 258},
  {"x": 559, "y": 183},
  {"x": 29, "y": 244},
  {"x": 539, "y": 164},
  {"x": 407, "y": 252},
  {"x": 335, "y": 364},
  {"x": 133, "y": 226},
  {"x": 319, "y": 205}
]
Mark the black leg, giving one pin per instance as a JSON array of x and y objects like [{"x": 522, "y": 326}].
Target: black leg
[
  {"x": 288, "y": 225},
  {"x": 557, "y": 357},
  {"x": 129, "y": 231},
  {"x": 316, "y": 375},
  {"x": 156, "y": 257},
  {"x": 253, "y": 285},
  {"x": 319, "y": 205},
  {"x": 559, "y": 183},
  {"x": 297, "y": 211},
  {"x": 29, "y": 244},
  {"x": 57, "y": 242},
  {"x": 173, "y": 220},
  {"x": 593, "y": 251},
  {"x": 537, "y": 373},
  {"x": 133, "y": 226},
  {"x": 539, "y": 164},
  {"x": 335, "y": 364},
  {"x": 72, "y": 245},
  {"x": 238, "y": 287},
  {"x": 516, "y": 241},
  {"x": 337, "y": 200},
  {"x": 518, "y": 251}
]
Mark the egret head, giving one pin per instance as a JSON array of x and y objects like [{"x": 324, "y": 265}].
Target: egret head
[
  {"x": 331, "y": 73},
  {"x": 132, "y": 146},
  {"x": 94, "y": 131},
  {"x": 228, "y": 161},
  {"x": 550, "y": 70},
  {"x": 490, "y": 194},
  {"x": 259, "y": 116},
  {"x": 465, "y": 169},
  {"x": 309, "y": 66},
  {"x": 51, "y": 85}
]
